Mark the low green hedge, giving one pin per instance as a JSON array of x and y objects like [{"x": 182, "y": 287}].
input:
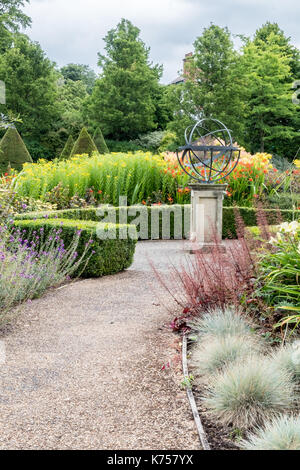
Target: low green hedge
[
  {"x": 166, "y": 230},
  {"x": 106, "y": 256}
]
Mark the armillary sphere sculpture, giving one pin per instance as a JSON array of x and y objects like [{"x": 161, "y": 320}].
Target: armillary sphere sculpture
[{"x": 209, "y": 154}]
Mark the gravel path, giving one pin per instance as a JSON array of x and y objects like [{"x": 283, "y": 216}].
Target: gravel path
[{"x": 83, "y": 366}]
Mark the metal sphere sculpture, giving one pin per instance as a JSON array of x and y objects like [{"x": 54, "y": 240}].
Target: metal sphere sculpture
[{"x": 209, "y": 154}]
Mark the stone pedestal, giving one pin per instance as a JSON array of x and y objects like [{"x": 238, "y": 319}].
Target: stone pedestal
[{"x": 207, "y": 215}]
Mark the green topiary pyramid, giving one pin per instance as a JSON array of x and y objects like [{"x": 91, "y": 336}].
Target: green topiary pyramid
[
  {"x": 84, "y": 144},
  {"x": 100, "y": 141},
  {"x": 66, "y": 153},
  {"x": 13, "y": 151}
]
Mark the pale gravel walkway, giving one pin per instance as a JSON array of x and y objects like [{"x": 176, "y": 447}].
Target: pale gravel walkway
[{"x": 83, "y": 368}]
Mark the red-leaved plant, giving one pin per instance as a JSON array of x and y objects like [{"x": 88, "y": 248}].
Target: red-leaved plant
[{"x": 217, "y": 279}]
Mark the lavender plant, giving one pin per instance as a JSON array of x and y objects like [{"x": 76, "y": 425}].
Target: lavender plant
[{"x": 27, "y": 269}]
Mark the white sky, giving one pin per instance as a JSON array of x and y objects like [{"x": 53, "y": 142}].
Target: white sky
[{"x": 72, "y": 30}]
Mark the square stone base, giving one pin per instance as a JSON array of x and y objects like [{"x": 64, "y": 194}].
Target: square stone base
[{"x": 205, "y": 248}]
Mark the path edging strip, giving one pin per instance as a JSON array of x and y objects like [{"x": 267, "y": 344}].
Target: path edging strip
[{"x": 189, "y": 391}]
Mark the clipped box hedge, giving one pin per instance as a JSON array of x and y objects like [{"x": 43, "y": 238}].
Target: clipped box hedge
[
  {"x": 106, "y": 256},
  {"x": 155, "y": 213}
]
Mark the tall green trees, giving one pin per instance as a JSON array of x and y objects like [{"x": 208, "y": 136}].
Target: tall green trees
[
  {"x": 80, "y": 73},
  {"x": 70, "y": 101},
  {"x": 213, "y": 84},
  {"x": 278, "y": 36},
  {"x": 122, "y": 103},
  {"x": 250, "y": 90},
  {"x": 31, "y": 88},
  {"x": 11, "y": 19},
  {"x": 271, "y": 118}
]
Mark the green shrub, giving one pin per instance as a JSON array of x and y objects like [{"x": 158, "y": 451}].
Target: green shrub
[
  {"x": 150, "y": 141},
  {"x": 114, "y": 214},
  {"x": 13, "y": 151},
  {"x": 282, "y": 433},
  {"x": 281, "y": 163},
  {"x": 279, "y": 270},
  {"x": 249, "y": 392},
  {"x": 66, "y": 153},
  {"x": 38, "y": 149},
  {"x": 211, "y": 354},
  {"x": 100, "y": 141},
  {"x": 229, "y": 224},
  {"x": 84, "y": 144},
  {"x": 284, "y": 200},
  {"x": 249, "y": 216},
  {"x": 120, "y": 146},
  {"x": 218, "y": 323},
  {"x": 109, "y": 256},
  {"x": 169, "y": 142}
]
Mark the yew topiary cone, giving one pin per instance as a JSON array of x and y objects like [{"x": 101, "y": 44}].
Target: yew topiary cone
[
  {"x": 13, "y": 151},
  {"x": 100, "y": 141},
  {"x": 84, "y": 144},
  {"x": 66, "y": 153}
]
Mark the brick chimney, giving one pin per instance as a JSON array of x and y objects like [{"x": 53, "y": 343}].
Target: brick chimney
[{"x": 188, "y": 57}]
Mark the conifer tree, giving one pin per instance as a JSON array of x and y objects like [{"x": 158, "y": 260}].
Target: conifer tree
[
  {"x": 84, "y": 144},
  {"x": 123, "y": 98},
  {"x": 100, "y": 141},
  {"x": 13, "y": 151},
  {"x": 66, "y": 153}
]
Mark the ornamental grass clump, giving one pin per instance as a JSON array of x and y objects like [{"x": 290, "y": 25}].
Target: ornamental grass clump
[
  {"x": 212, "y": 354},
  {"x": 249, "y": 392},
  {"x": 287, "y": 358},
  {"x": 282, "y": 433},
  {"x": 220, "y": 323},
  {"x": 28, "y": 268}
]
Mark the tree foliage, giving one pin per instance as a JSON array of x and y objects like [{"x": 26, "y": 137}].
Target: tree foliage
[
  {"x": 80, "y": 73},
  {"x": 213, "y": 86},
  {"x": 122, "y": 103},
  {"x": 31, "y": 87},
  {"x": 271, "y": 117},
  {"x": 70, "y": 104},
  {"x": 11, "y": 20}
]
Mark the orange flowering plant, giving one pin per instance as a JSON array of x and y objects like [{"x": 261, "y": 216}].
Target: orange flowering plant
[{"x": 248, "y": 180}]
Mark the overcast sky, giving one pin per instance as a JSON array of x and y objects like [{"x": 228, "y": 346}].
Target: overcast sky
[{"x": 72, "y": 30}]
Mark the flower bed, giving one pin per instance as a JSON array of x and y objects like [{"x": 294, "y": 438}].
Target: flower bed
[
  {"x": 280, "y": 273},
  {"x": 137, "y": 176},
  {"x": 146, "y": 179}
]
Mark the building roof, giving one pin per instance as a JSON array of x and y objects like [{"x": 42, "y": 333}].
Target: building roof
[{"x": 177, "y": 81}]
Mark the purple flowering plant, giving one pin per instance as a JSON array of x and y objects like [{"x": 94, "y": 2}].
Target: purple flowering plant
[{"x": 31, "y": 265}]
